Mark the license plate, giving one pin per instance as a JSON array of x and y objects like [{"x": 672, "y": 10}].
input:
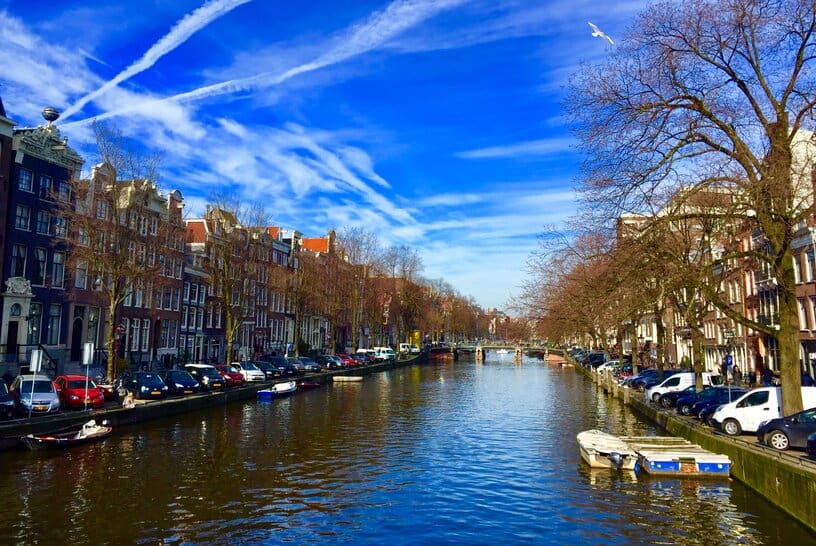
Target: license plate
[
  {"x": 155, "y": 393},
  {"x": 188, "y": 391},
  {"x": 40, "y": 408}
]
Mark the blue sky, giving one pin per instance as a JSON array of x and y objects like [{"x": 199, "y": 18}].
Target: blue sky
[{"x": 435, "y": 125}]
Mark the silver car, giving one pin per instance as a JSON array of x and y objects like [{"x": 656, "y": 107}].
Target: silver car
[{"x": 34, "y": 394}]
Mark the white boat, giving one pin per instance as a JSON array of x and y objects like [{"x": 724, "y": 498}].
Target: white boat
[
  {"x": 278, "y": 390},
  {"x": 602, "y": 450},
  {"x": 502, "y": 352},
  {"x": 346, "y": 378}
]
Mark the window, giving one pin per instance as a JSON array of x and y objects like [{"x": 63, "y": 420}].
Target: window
[
  {"x": 145, "y": 334},
  {"x": 165, "y": 330},
  {"x": 24, "y": 179},
  {"x": 83, "y": 238},
  {"x": 176, "y": 299},
  {"x": 40, "y": 258},
  {"x": 81, "y": 278},
  {"x": 193, "y": 293},
  {"x": 46, "y": 186},
  {"x": 803, "y": 321},
  {"x": 185, "y": 311},
  {"x": 43, "y": 222},
  {"x": 54, "y": 321},
  {"x": 811, "y": 266},
  {"x": 186, "y": 291},
  {"x": 22, "y": 217},
  {"x": 102, "y": 210},
  {"x": 59, "y": 226},
  {"x": 173, "y": 332},
  {"x": 128, "y": 298},
  {"x": 154, "y": 225},
  {"x": 18, "y": 261},
  {"x": 134, "y": 334},
  {"x": 64, "y": 191},
  {"x": 58, "y": 271}
]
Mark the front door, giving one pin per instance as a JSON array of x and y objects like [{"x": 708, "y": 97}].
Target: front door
[
  {"x": 76, "y": 340},
  {"x": 12, "y": 346}
]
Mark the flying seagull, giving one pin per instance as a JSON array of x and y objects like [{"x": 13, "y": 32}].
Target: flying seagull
[{"x": 600, "y": 34}]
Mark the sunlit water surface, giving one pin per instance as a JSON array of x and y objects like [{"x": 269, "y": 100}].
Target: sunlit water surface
[{"x": 461, "y": 453}]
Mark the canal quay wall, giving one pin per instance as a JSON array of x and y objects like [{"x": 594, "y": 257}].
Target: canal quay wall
[
  {"x": 148, "y": 410},
  {"x": 785, "y": 479}
]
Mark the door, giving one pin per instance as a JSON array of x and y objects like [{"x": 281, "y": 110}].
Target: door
[
  {"x": 12, "y": 347},
  {"x": 76, "y": 341},
  {"x": 754, "y": 409}
]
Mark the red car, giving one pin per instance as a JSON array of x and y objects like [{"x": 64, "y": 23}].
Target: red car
[
  {"x": 232, "y": 377},
  {"x": 72, "y": 392},
  {"x": 346, "y": 358}
]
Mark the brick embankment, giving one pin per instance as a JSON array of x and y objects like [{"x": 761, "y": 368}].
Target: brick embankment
[{"x": 786, "y": 479}]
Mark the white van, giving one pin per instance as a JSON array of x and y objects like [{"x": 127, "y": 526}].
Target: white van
[
  {"x": 678, "y": 382},
  {"x": 747, "y": 412},
  {"x": 408, "y": 348},
  {"x": 384, "y": 353}
]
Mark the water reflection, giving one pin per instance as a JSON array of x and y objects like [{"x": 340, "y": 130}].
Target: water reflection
[{"x": 444, "y": 454}]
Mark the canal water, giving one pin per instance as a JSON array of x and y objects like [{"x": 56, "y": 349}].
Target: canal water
[{"x": 448, "y": 453}]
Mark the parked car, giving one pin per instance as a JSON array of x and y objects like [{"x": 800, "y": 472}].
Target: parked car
[
  {"x": 367, "y": 355},
  {"x": 719, "y": 395},
  {"x": 35, "y": 394},
  {"x": 310, "y": 365},
  {"x": 810, "y": 448},
  {"x": 593, "y": 360},
  {"x": 346, "y": 359},
  {"x": 297, "y": 365},
  {"x": 232, "y": 377},
  {"x": 250, "y": 371},
  {"x": 409, "y": 348},
  {"x": 679, "y": 382},
  {"x": 6, "y": 402},
  {"x": 755, "y": 407},
  {"x": 360, "y": 359},
  {"x": 330, "y": 362},
  {"x": 669, "y": 399},
  {"x": 207, "y": 376},
  {"x": 78, "y": 392},
  {"x": 180, "y": 382},
  {"x": 270, "y": 370},
  {"x": 147, "y": 385},
  {"x": 707, "y": 413},
  {"x": 384, "y": 354},
  {"x": 786, "y": 432}
]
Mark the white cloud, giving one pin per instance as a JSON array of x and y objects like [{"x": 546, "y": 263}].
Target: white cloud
[
  {"x": 186, "y": 27},
  {"x": 532, "y": 148}
]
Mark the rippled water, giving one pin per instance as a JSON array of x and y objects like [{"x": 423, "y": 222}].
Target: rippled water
[{"x": 438, "y": 454}]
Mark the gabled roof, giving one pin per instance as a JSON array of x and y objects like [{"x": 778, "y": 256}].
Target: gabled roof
[
  {"x": 196, "y": 231},
  {"x": 274, "y": 232},
  {"x": 315, "y": 244}
]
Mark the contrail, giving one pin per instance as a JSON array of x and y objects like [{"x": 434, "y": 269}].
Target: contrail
[
  {"x": 367, "y": 36},
  {"x": 186, "y": 27}
]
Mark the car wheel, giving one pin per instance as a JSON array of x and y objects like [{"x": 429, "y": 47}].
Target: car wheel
[
  {"x": 665, "y": 402},
  {"x": 685, "y": 409},
  {"x": 656, "y": 398},
  {"x": 777, "y": 440},
  {"x": 731, "y": 427}
]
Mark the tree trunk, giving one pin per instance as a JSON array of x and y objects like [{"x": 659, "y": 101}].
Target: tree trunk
[{"x": 788, "y": 338}]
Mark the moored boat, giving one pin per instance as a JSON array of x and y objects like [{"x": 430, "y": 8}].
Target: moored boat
[
  {"x": 602, "y": 450},
  {"x": 89, "y": 432},
  {"x": 306, "y": 385},
  {"x": 347, "y": 378},
  {"x": 277, "y": 390}
]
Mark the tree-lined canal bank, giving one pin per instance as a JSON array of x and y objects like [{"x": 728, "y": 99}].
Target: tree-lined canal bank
[{"x": 442, "y": 453}]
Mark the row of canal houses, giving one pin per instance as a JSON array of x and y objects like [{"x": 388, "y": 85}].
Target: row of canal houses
[{"x": 47, "y": 306}]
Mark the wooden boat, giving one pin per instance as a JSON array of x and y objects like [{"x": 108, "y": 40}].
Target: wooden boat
[
  {"x": 602, "y": 450},
  {"x": 277, "y": 390},
  {"x": 89, "y": 432},
  {"x": 306, "y": 385},
  {"x": 346, "y": 378},
  {"x": 668, "y": 455}
]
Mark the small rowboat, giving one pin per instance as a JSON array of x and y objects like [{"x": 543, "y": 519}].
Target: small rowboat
[
  {"x": 90, "y": 432},
  {"x": 346, "y": 378},
  {"x": 277, "y": 390},
  {"x": 306, "y": 385}
]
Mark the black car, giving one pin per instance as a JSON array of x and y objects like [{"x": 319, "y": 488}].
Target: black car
[
  {"x": 786, "y": 432},
  {"x": 593, "y": 360},
  {"x": 6, "y": 402},
  {"x": 207, "y": 376},
  {"x": 713, "y": 396},
  {"x": 147, "y": 385},
  {"x": 330, "y": 362},
  {"x": 270, "y": 370},
  {"x": 810, "y": 448},
  {"x": 180, "y": 382},
  {"x": 295, "y": 364},
  {"x": 706, "y": 413},
  {"x": 309, "y": 364},
  {"x": 670, "y": 399}
]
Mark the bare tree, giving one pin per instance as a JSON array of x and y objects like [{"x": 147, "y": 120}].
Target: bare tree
[{"x": 716, "y": 94}]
